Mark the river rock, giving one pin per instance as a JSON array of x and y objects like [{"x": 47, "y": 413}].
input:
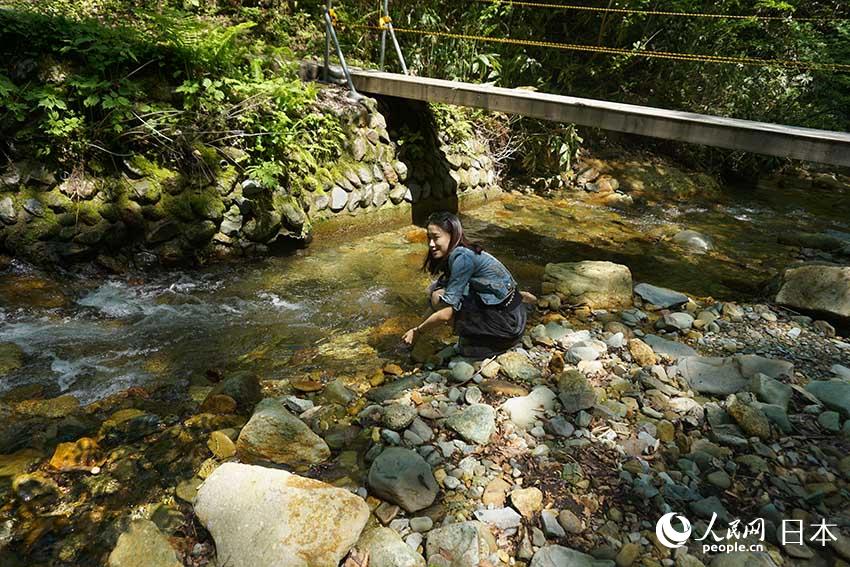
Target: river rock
[
  {"x": 575, "y": 392},
  {"x": 559, "y": 556},
  {"x": 403, "y": 477},
  {"x": 742, "y": 559},
  {"x": 770, "y": 390},
  {"x": 462, "y": 372},
  {"x": 19, "y": 462},
  {"x": 143, "y": 545},
  {"x": 525, "y": 410},
  {"x": 257, "y": 516},
  {"x": 242, "y": 386},
  {"x": 501, "y": 518},
  {"x": 660, "y": 296},
  {"x": 834, "y": 394},
  {"x": 817, "y": 288},
  {"x": 671, "y": 349},
  {"x": 676, "y": 321},
  {"x": 527, "y": 501},
  {"x": 11, "y": 358},
  {"x": 724, "y": 376},
  {"x": 750, "y": 419},
  {"x": 642, "y": 353},
  {"x": 387, "y": 549},
  {"x": 395, "y": 389},
  {"x": 53, "y": 407},
  {"x": 516, "y": 366},
  {"x": 475, "y": 423},
  {"x": 275, "y": 435},
  {"x": 693, "y": 241},
  {"x": 84, "y": 454},
  {"x": 398, "y": 416},
  {"x": 598, "y": 285},
  {"x": 466, "y": 544}
]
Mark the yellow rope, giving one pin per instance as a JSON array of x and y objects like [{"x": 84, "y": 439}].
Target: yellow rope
[
  {"x": 655, "y": 12},
  {"x": 383, "y": 21},
  {"x": 802, "y": 65}
]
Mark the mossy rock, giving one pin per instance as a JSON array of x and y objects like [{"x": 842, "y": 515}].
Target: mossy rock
[
  {"x": 200, "y": 232},
  {"x": 207, "y": 204},
  {"x": 11, "y": 358},
  {"x": 92, "y": 235},
  {"x": 179, "y": 206},
  {"x": 226, "y": 180}
]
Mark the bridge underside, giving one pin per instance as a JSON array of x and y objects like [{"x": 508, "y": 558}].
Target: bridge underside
[{"x": 820, "y": 146}]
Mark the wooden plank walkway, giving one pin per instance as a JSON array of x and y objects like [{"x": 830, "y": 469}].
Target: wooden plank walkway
[{"x": 807, "y": 144}]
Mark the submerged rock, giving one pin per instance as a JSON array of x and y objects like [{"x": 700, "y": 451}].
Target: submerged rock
[
  {"x": 275, "y": 435},
  {"x": 259, "y": 516},
  {"x": 403, "y": 477},
  {"x": 143, "y": 545}
]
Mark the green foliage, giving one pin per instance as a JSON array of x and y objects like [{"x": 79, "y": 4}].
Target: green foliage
[{"x": 89, "y": 80}]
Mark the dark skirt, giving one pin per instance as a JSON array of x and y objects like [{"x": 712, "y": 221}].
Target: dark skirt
[{"x": 486, "y": 330}]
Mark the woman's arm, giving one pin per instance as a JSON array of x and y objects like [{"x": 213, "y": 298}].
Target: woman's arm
[
  {"x": 460, "y": 271},
  {"x": 438, "y": 317}
]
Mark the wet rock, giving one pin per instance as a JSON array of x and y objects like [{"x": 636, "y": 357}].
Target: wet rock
[
  {"x": 466, "y": 544},
  {"x": 19, "y": 462},
  {"x": 84, "y": 454},
  {"x": 834, "y": 394},
  {"x": 219, "y": 404},
  {"x": 598, "y": 285},
  {"x": 188, "y": 489},
  {"x": 395, "y": 389},
  {"x": 337, "y": 393},
  {"x": 306, "y": 521},
  {"x": 559, "y": 556},
  {"x": 11, "y": 358},
  {"x": 402, "y": 476},
  {"x": 387, "y": 549},
  {"x": 693, "y": 241},
  {"x": 143, "y": 545},
  {"x": 127, "y": 426},
  {"x": 475, "y": 423},
  {"x": 53, "y": 407},
  {"x": 221, "y": 443},
  {"x": 242, "y": 386},
  {"x": 575, "y": 392},
  {"x": 817, "y": 288},
  {"x": 525, "y": 410},
  {"x": 275, "y": 435},
  {"x": 723, "y": 376},
  {"x": 516, "y": 366}
]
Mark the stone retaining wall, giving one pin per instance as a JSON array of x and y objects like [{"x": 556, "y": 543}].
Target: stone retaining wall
[{"x": 150, "y": 214}]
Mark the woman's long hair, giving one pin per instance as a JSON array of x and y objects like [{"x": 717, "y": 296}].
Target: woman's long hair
[{"x": 451, "y": 224}]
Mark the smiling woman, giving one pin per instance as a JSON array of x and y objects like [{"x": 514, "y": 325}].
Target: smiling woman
[{"x": 474, "y": 291}]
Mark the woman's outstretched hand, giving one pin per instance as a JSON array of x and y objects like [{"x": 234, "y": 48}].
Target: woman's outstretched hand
[{"x": 409, "y": 336}]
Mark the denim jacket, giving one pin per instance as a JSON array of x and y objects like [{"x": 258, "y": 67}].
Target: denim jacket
[{"x": 482, "y": 274}]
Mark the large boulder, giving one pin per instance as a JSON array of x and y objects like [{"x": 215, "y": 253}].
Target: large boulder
[
  {"x": 267, "y": 517},
  {"x": 274, "y": 435},
  {"x": 403, "y": 477},
  {"x": 817, "y": 288},
  {"x": 729, "y": 375},
  {"x": 466, "y": 544},
  {"x": 387, "y": 549},
  {"x": 598, "y": 285}
]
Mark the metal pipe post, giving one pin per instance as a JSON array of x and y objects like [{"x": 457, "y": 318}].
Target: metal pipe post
[
  {"x": 329, "y": 23},
  {"x": 383, "y": 36},
  {"x": 326, "y": 72}
]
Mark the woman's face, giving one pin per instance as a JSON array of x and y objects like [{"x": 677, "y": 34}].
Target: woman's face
[{"x": 438, "y": 241}]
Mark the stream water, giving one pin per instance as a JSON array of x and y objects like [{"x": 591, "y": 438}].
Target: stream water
[{"x": 340, "y": 306}]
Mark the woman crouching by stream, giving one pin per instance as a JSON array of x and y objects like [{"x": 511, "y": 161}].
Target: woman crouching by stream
[{"x": 474, "y": 291}]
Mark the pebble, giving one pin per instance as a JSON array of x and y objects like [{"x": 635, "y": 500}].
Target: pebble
[
  {"x": 551, "y": 527},
  {"x": 421, "y": 524},
  {"x": 472, "y": 395}
]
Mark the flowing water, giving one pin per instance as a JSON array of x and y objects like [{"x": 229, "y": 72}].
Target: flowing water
[{"x": 340, "y": 306}]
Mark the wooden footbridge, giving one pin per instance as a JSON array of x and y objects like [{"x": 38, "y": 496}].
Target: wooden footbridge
[{"x": 821, "y": 146}]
